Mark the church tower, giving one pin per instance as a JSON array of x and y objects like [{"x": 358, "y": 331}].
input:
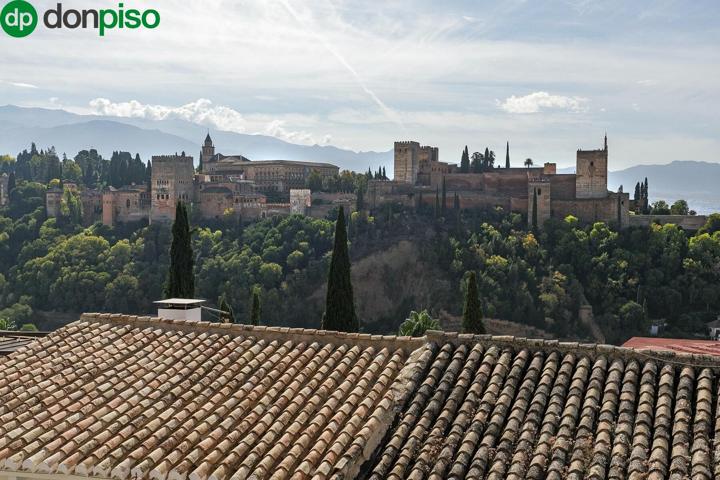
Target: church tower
[{"x": 207, "y": 152}]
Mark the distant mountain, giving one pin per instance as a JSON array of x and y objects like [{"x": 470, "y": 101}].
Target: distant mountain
[
  {"x": 70, "y": 133},
  {"x": 696, "y": 182}
]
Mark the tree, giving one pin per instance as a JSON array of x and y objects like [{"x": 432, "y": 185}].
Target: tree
[
  {"x": 339, "y": 305},
  {"x": 443, "y": 205},
  {"x": 636, "y": 197},
  {"x": 507, "y": 155},
  {"x": 11, "y": 182},
  {"x": 255, "y": 311},
  {"x": 535, "y": 210},
  {"x": 472, "y": 313},
  {"x": 417, "y": 324},
  {"x": 360, "y": 200},
  {"x": 476, "y": 164},
  {"x": 384, "y": 175},
  {"x": 680, "y": 207},
  {"x": 227, "y": 316},
  {"x": 181, "y": 280},
  {"x": 528, "y": 162},
  {"x": 660, "y": 208},
  {"x": 465, "y": 161},
  {"x": 712, "y": 225}
]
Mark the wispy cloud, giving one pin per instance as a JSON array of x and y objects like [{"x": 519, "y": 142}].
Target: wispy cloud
[
  {"x": 312, "y": 30},
  {"x": 537, "y": 101},
  {"x": 20, "y": 84}
]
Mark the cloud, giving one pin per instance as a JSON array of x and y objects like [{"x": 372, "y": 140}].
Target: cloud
[
  {"x": 204, "y": 112},
  {"x": 20, "y": 84},
  {"x": 537, "y": 101}
]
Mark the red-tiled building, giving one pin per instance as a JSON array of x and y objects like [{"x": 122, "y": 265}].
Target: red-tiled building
[{"x": 119, "y": 397}]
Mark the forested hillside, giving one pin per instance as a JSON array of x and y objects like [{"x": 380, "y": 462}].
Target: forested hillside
[{"x": 538, "y": 278}]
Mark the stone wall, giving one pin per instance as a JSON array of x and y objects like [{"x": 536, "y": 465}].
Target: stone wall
[
  {"x": 4, "y": 193},
  {"x": 687, "y": 222},
  {"x": 591, "y": 210}
]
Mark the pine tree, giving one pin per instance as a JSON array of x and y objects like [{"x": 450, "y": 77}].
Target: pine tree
[
  {"x": 340, "y": 306},
  {"x": 465, "y": 161},
  {"x": 472, "y": 313},
  {"x": 228, "y": 316},
  {"x": 255, "y": 312},
  {"x": 534, "y": 210},
  {"x": 181, "y": 280},
  {"x": 507, "y": 155}
]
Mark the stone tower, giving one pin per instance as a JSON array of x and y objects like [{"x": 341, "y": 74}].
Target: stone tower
[
  {"x": 207, "y": 152},
  {"x": 407, "y": 162},
  {"x": 172, "y": 180},
  {"x": 592, "y": 173},
  {"x": 539, "y": 188}
]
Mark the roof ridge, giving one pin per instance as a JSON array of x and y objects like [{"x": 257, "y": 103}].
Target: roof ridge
[
  {"x": 592, "y": 350},
  {"x": 407, "y": 344}
]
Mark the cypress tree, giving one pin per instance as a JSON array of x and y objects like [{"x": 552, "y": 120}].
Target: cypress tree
[
  {"x": 11, "y": 182},
  {"x": 384, "y": 175},
  {"x": 360, "y": 200},
  {"x": 340, "y": 306},
  {"x": 255, "y": 311},
  {"x": 472, "y": 313},
  {"x": 181, "y": 281},
  {"x": 534, "y": 210},
  {"x": 437, "y": 202},
  {"x": 228, "y": 316},
  {"x": 507, "y": 155},
  {"x": 443, "y": 205},
  {"x": 637, "y": 192},
  {"x": 465, "y": 161}
]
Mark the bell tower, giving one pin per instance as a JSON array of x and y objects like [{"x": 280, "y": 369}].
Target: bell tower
[{"x": 207, "y": 152}]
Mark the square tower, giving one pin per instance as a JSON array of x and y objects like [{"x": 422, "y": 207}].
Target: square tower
[
  {"x": 172, "y": 180},
  {"x": 591, "y": 173},
  {"x": 407, "y": 162}
]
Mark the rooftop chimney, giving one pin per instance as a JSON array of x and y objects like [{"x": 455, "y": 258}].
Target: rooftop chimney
[{"x": 180, "y": 309}]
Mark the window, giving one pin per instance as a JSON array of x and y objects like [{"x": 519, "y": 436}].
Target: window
[
  {"x": 539, "y": 191},
  {"x": 127, "y": 203}
]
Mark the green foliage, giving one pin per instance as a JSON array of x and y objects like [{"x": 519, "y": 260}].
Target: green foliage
[
  {"x": 465, "y": 161},
  {"x": 181, "y": 277},
  {"x": 680, "y": 207},
  {"x": 472, "y": 313},
  {"x": 340, "y": 305},
  {"x": 417, "y": 324},
  {"x": 712, "y": 225},
  {"x": 660, "y": 208}
]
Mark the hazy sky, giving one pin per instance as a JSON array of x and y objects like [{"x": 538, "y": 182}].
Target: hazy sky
[{"x": 549, "y": 76}]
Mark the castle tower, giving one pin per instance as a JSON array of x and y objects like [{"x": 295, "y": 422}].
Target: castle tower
[
  {"x": 172, "y": 180},
  {"x": 592, "y": 173},
  {"x": 207, "y": 152},
  {"x": 539, "y": 190},
  {"x": 407, "y": 162}
]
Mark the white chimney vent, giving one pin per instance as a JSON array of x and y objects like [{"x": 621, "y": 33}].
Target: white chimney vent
[{"x": 180, "y": 309}]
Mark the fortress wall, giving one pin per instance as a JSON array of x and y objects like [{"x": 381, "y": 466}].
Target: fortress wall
[
  {"x": 563, "y": 186},
  {"x": 592, "y": 209},
  {"x": 687, "y": 222},
  {"x": 503, "y": 181}
]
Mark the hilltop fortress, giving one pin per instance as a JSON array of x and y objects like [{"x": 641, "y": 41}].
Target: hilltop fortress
[
  {"x": 224, "y": 186},
  {"x": 421, "y": 177}
]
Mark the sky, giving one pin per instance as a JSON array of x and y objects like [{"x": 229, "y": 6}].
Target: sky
[{"x": 549, "y": 77}]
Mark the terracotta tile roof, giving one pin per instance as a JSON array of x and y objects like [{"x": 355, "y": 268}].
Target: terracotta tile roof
[
  {"x": 496, "y": 408},
  {"x": 127, "y": 397},
  {"x": 121, "y": 397}
]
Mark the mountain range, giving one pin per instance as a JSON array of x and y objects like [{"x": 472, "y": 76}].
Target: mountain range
[
  {"x": 69, "y": 132},
  {"x": 697, "y": 182}
]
